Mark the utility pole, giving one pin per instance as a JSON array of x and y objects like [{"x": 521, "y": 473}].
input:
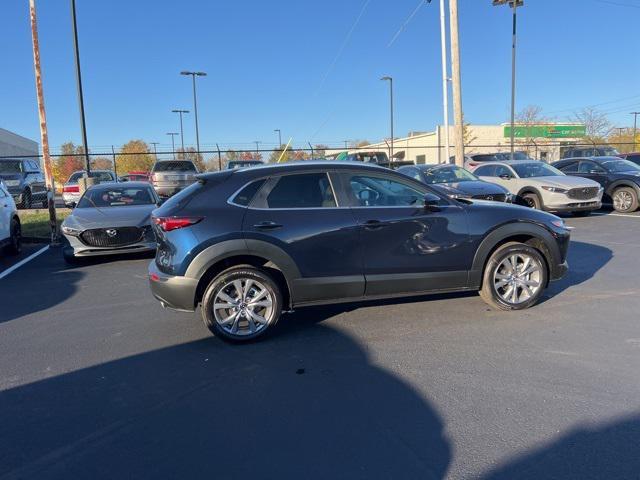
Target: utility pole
[
  {"x": 44, "y": 136},
  {"x": 635, "y": 128},
  {"x": 181, "y": 129},
  {"x": 83, "y": 125},
  {"x": 219, "y": 158},
  {"x": 257, "y": 142},
  {"x": 155, "y": 149},
  {"x": 173, "y": 143},
  {"x": 456, "y": 80},
  {"x": 390, "y": 80},
  {"x": 445, "y": 80},
  {"x": 115, "y": 167},
  {"x": 346, "y": 144},
  {"x": 279, "y": 137},
  {"x": 311, "y": 147},
  {"x": 195, "y": 102}
]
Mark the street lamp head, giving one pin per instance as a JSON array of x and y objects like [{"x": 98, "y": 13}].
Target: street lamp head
[
  {"x": 180, "y": 111},
  {"x": 511, "y": 3},
  {"x": 186, "y": 72},
  {"x": 200, "y": 74},
  {"x": 172, "y": 133},
  {"x": 386, "y": 78}
]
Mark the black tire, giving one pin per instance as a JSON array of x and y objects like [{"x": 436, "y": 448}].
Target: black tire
[
  {"x": 26, "y": 199},
  {"x": 15, "y": 245},
  {"x": 223, "y": 283},
  {"x": 630, "y": 204},
  {"x": 583, "y": 213},
  {"x": 532, "y": 200},
  {"x": 490, "y": 293}
]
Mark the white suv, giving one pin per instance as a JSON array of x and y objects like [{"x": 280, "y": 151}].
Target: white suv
[
  {"x": 544, "y": 187},
  {"x": 10, "y": 232}
]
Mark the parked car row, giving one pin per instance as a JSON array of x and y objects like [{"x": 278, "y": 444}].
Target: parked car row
[
  {"x": 24, "y": 181},
  {"x": 10, "y": 229}
]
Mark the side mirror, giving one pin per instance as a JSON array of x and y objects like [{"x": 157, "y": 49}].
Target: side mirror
[
  {"x": 594, "y": 171},
  {"x": 72, "y": 205},
  {"x": 431, "y": 201},
  {"x": 506, "y": 176},
  {"x": 160, "y": 201}
]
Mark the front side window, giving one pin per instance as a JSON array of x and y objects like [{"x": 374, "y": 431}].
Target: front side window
[
  {"x": 486, "y": 171},
  {"x": 373, "y": 191},
  {"x": 308, "y": 190},
  {"x": 116, "y": 197},
  {"x": 588, "y": 167},
  {"x": 501, "y": 170}
]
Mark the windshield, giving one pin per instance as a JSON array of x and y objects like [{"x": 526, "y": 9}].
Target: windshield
[
  {"x": 448, "y": 175},
  {"x": 535, "y": 169},
  {"x": 11, "y": 167},
  {"x": 177, "y": 166},
  {"x": 616, "y": 166},
  {"x": 116, "y": 197},
  {"x": 101, "y": 176},
  {"x": 607, "y": 151}
]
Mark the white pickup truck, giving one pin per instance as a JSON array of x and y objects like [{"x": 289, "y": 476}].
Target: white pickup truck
[{"x": 10, "y": 232}]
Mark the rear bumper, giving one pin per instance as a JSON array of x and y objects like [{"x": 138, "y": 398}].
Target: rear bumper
[
  {"x": 169, "y": 189},
  {"x": 176, "y": 292}
]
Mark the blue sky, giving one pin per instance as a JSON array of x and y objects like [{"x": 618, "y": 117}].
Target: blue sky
[{"x": 266, "y": 63}]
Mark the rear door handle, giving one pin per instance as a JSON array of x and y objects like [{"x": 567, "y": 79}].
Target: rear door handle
[
  {"x": 374, "y": 224},
  {"x": 267, "y": 225}
]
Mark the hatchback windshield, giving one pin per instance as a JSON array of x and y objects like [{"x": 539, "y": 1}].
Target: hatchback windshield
[
  {"x": 116, "y": 197},
  {"x": 448, "y": 175},
  {"x": 535, "y": 169},
  {"x": 616, "y": 166},
  {"x": 174, "y": 166},
  {"x": 11, "y": 167}
]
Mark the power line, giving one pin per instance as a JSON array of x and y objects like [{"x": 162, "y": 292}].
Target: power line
[
  {"x": 617, "y": 4},
  {"x": 406, "y": 22}
]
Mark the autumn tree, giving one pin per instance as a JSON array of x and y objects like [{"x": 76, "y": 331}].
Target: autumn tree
[
  {"x": 101, "y": 163},
  {"x": 622, "y": 138},
  {"x": 69, "y": 161},
  {"x": 191, "y": 154},
  {"x": 277, "y": 153},
  {"x": 529, "y": 117},
  {"x": 134, "y": 156},
  {"x": 319, "y": 151}
]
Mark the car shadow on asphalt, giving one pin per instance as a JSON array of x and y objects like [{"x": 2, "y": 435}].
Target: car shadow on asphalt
[
  {"x": 44, "y": 275},
  {"x": 309, "y": 405},
  {"x": 609, "y": 451}
]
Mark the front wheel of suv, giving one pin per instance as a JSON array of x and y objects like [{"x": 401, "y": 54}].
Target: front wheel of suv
[
  {"x": 532, "y": 200},
  {"x": 241, "y": 304},
  {"x": 515, "y": 277},
  {"x": 625, "y": 200}
]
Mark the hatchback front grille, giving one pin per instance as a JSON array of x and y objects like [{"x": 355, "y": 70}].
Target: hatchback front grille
[
  {"x": 112, "y": 237},
  {"x": 498, "y": 197},
  {"x": 584, "y": 193}
]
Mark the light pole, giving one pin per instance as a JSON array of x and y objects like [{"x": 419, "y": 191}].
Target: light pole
[
  {"x": 83, "y": 126},
  {"x": 181, "y": 129},
  {"x": 155, "y": 149},
  {"x": 445, "y": 80},
  {"x": 257, "y": 142},
  {"x": 635, "y": 128},
  {"x": 279, "y": 137},
  {"x": 387, "y": 78},
  {"x": 173, "y": 142},
  {"x": 195, "y": 101},
  {"x": 514, "y": 4}
]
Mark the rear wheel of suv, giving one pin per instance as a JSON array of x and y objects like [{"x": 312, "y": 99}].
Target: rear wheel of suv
[
  {"x": 532, "y": 200},
  {"x": 625, "y": 200},
  {"x": 515, "y": 277},
  {"x": 241, "y": 304},
  {"x": 26, "y": 199},
  {"x": 15, "y": 244}
]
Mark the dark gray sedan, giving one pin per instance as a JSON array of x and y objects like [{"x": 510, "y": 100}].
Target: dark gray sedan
[
  {"x": 456, "y": 182},
  {"x": 111, "y": 218}
]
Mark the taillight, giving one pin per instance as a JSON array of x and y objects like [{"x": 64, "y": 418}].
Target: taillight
[
  {"x": 71, "y": 189},
  {"x": 168, "y": 224}
]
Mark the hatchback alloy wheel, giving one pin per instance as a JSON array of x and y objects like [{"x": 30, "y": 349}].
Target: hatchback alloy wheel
[
  {"x": 622, "y": 200},
  {"x": 243, "y": 307}
]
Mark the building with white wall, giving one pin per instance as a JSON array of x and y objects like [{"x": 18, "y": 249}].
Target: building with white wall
[{"x": 540, "y": 141}]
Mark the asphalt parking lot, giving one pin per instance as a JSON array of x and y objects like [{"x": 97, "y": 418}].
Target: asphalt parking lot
[{"x": 98, "y": 381}]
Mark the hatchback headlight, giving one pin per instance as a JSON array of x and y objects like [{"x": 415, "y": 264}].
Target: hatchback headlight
[
  {"x": 554, "y": 189},
  {"x": 71, "y": 231}
]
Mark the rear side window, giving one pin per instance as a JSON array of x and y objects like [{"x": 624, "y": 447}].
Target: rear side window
[
  {"x": 486, "y": 171},
  {"x": 174, "y": 166},
  {"x": 244, "y": 196},
  {"x": 309, "y": 190}
]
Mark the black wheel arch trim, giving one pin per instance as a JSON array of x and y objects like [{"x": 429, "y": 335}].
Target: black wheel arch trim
[
  {"x": 530, "y": 189},
  {"x": 551, "y": 252},
  {"x": 622, "y": 183}
]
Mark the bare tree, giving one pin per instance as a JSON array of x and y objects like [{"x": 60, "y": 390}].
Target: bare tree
[
  {"x": 597, "y": 124},
  {"x": 529, "y": 117}
]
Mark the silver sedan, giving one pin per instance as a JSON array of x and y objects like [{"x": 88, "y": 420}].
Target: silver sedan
[{"x": 111, "y": 218}]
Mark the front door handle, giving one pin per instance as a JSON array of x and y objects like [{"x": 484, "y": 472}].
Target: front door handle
[
  {"x": 374, "y": 224},
  {"x": 267, "y": 226}
]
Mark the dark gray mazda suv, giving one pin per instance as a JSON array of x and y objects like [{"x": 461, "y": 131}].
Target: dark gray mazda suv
[{"x": 248, "y": 244}]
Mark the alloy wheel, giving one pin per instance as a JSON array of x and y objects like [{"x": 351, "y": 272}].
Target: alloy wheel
[
  {"x": 517, "y": 278},
  {"x": 243, "y": 307},
  {"x": 622, "y": 200}
]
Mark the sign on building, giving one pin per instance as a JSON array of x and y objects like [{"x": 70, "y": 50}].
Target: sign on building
[{"x": 546, "y": 131}]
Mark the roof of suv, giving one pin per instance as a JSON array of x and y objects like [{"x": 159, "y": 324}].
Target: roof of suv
[{"x": 598, "y": 159}]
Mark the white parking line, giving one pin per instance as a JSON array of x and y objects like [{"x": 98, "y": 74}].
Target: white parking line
[
  {"x": 22, "y": 262},
  {"x": 615, "y": 215}
]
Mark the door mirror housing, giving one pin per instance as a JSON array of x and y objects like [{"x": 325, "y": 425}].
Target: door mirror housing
[
  {"x": 431, "y": 201},
  {"x": 595, "y": 171},
  {"x": 506, "y": 176},
  {"x": 72, "y": 205}
]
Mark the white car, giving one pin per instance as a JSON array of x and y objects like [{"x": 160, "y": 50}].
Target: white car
[
  {"x": 10, "y": 232},
  {"x": 71, "y": 189},
  {"x": 544, "y": 187}
]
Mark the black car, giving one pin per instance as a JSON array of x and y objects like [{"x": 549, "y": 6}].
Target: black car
[
  {"x": 580, "y": 152},
  {"x": 619, "y": 178},
  {"x": 456, "y": 182},
  {"x": 24, "y": 180},
  {"x": 247, "y": 244}
]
